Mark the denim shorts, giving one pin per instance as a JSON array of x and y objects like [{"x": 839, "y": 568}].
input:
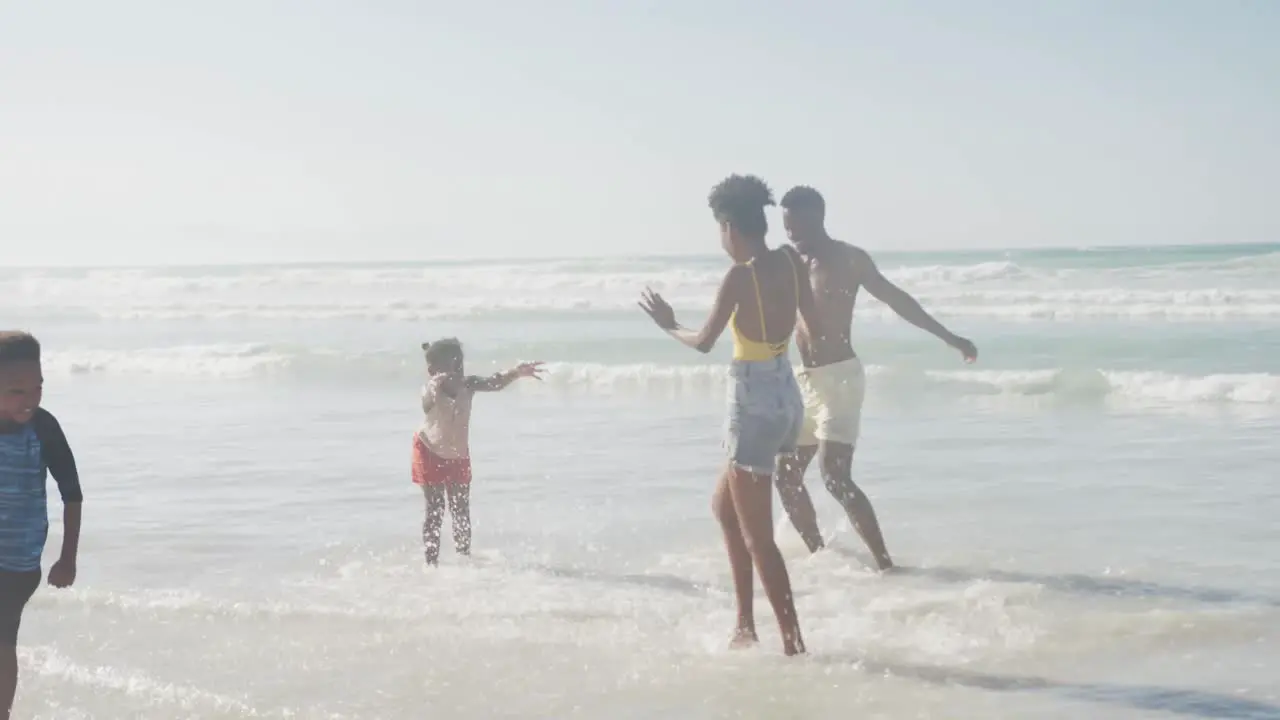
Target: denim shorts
[{"x": 766, "y": 413}]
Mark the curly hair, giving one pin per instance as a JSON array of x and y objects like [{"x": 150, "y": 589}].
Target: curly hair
[{"x": 740, "y": 200}]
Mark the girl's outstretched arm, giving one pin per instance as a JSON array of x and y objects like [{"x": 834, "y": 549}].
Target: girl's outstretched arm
[{"x": 499, "y": 381}]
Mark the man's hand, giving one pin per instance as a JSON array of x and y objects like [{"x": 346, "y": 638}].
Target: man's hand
[
  {"x": 966, "y": 348},
  {"x": 63, "y": 573},
  {"x": 658, "y": 309},
  {"x": 529, "y": 370}
]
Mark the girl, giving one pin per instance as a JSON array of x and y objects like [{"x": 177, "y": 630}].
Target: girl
[{"x": 441, "y": 447}]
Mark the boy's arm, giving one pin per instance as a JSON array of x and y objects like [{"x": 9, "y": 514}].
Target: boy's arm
[
  {"x": 62, "y": 466},
  {"x": 70, "y": 542},
  {"x": 501, "y": 380}
]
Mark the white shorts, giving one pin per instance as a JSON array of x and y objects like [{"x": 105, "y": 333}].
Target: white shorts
[{"x": 833, "y": 396}]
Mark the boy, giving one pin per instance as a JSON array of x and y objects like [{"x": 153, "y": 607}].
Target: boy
[
  {"x": 441, "y": 453},
  {"x": 32, "y": 447}
]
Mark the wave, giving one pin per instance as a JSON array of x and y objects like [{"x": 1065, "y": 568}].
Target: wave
[
  {"x": 1012, "y": 305},
  {"x": 1152, "y": 385},
  {"x": 48, "y": 662},
  {"x": 241, "y": 362},
  {"x": 1235, "y": 288},
  {"x": 1256, "y": 388},
  {"x": 1248, "y": 263},
  {"x": 940, "y": 275},
  {"x": 547, "y": 277},
  {"x": 540, "y": 276}
]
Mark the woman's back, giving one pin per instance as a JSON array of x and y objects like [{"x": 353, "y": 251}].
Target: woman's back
[{"x": 768, "y": 293}]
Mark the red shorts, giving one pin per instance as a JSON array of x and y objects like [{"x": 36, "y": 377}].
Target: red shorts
[{"x": 431, "y": 469}]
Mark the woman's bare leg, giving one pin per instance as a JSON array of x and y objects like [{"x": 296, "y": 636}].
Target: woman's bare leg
[
  {"x": 739, "y": 561},
  {"x": 753, "y": 502}
]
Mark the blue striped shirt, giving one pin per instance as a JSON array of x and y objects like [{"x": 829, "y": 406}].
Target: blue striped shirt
[{"x": 28, "y": 455}]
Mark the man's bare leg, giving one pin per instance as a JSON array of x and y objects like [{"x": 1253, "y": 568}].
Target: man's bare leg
[
  {"x": 837, "y": 475},
  {"x": 739, "y": 562},
  {"x": 795, "y": 497},
  {"x": 753, "y": 502}
]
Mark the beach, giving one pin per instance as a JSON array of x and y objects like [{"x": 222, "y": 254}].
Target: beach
[{"x": 1085, "y": 518}]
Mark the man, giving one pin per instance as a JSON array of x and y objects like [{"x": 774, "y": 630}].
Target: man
[{"x": 833, "y": 381}]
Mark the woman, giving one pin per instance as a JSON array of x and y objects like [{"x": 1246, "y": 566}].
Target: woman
[{"x": 760, "y": 296}]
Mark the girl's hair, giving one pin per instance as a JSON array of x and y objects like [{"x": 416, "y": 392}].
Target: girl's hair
[
  {"x": 441, "y": 351},
  {"x": 740, "y": 200}
]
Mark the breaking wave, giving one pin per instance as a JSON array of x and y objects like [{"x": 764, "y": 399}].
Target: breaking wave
[{"x": 249, "y": 361}]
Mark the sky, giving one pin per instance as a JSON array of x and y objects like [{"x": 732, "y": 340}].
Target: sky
[{"x": 226, "y": 131}]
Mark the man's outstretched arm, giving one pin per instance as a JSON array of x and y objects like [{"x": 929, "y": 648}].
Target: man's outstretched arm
[{"x": 869, "y": 276}]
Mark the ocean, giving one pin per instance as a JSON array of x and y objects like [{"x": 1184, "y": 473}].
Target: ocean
[{"x": 1086, "y": 518}]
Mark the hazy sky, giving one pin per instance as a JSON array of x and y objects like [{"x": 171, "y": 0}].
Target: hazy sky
[{"x": 250, "y": 130}]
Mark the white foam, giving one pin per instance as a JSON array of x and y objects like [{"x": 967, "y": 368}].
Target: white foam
[
  {"x": 227, "y": 361},
  {"x": 935, "y": 275},
  {"x": 48, "y": 662},
  {"x": 1140, "y": 385},
  {"x": 637, "y": 378},
  {"x": 243, "y": 361},
  {"x": 1240, "y": 388},
  {"x": 1110, "y": 303},
  {"x": 999, "y": 289}
]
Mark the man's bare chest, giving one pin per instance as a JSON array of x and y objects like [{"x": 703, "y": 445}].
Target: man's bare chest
[{"x": 831, "y": 284}]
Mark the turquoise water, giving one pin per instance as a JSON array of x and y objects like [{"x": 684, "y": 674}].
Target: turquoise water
[{"x": 1086, "y": 515}]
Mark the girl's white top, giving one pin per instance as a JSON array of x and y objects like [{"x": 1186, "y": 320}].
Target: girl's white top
[{"x": 447, "y": 422}]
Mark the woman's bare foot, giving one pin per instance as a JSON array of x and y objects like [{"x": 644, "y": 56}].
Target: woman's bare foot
[{"x": 743, "y": 638}]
